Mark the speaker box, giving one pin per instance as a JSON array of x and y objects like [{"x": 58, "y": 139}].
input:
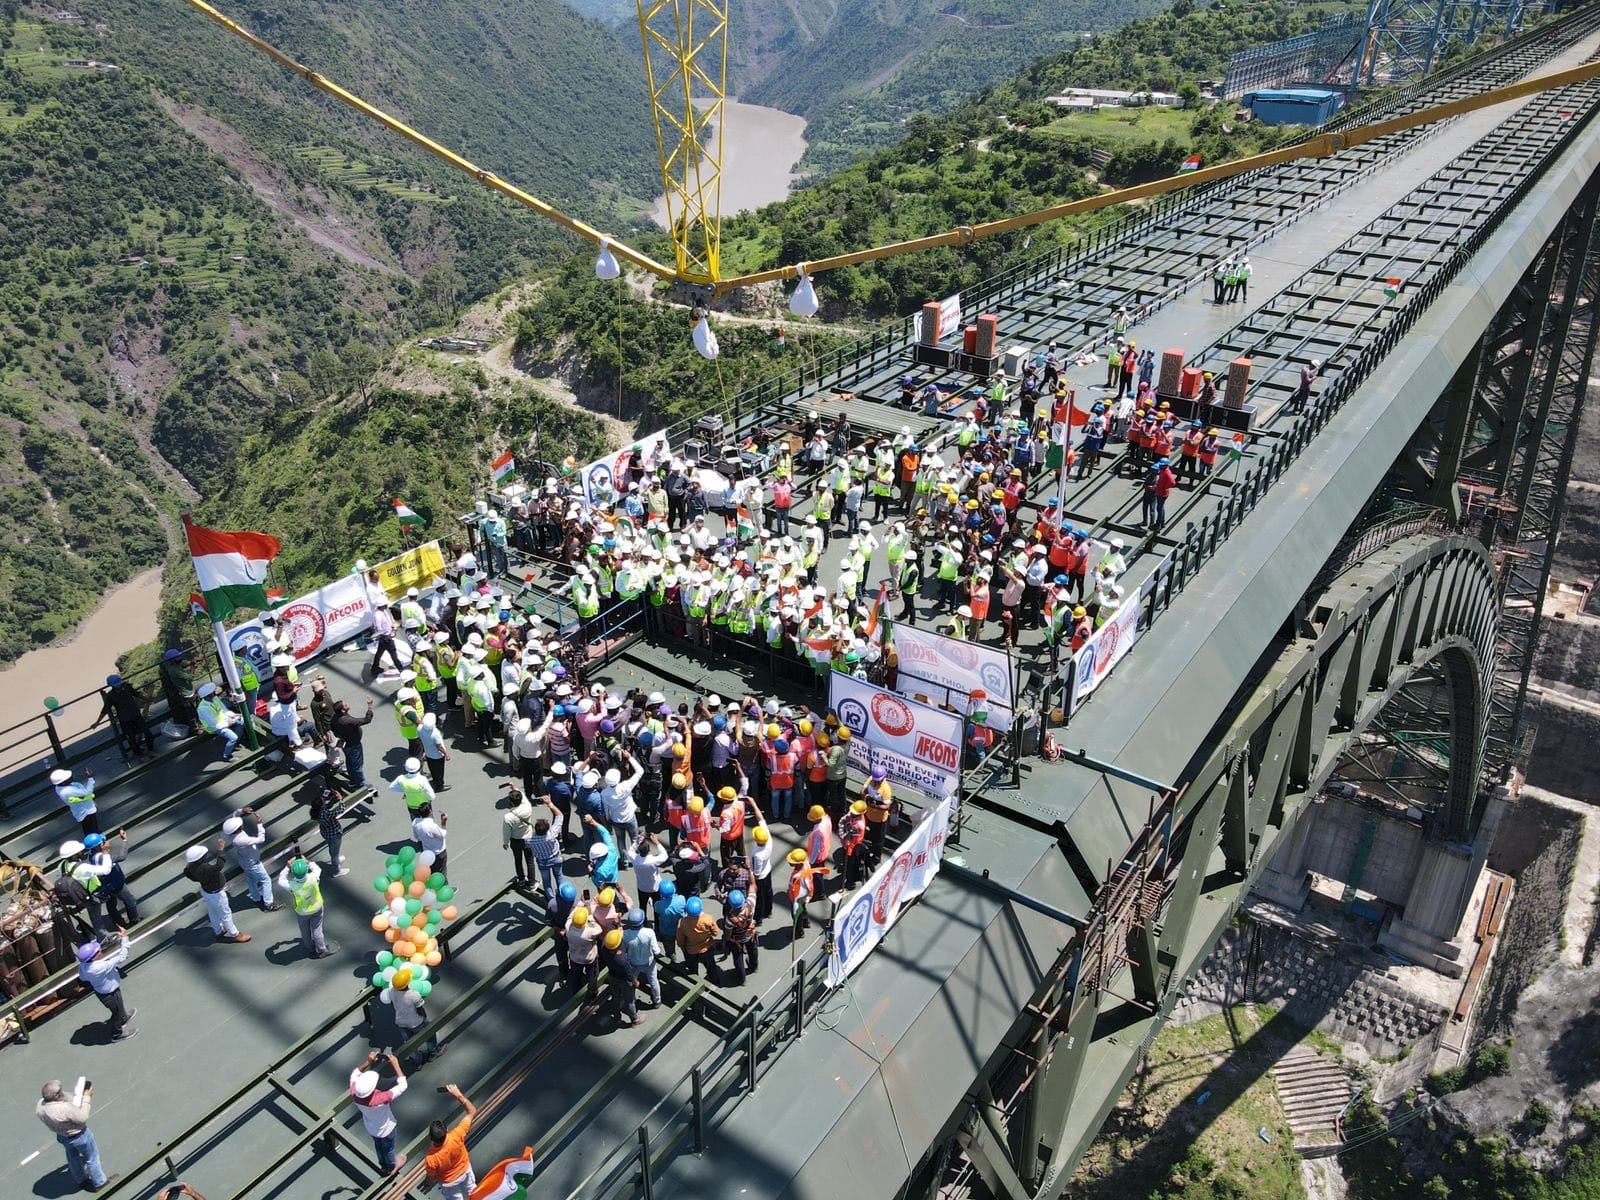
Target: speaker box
[
  {"x": 988, "y": 344},
  {"x": 930, "y": 324},
  {"x": 1168, "y": 382},
  {"x": 1238, "y": 383}
]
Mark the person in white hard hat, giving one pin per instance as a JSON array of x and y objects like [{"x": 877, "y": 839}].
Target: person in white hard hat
[
  {"x": 78, "y": 797},
  {"x": 207, "y": 866},
  {"x": 374, "y": 1103},
  {"x": 217, "y": 719},
  {"x": 412, "y": 787}
]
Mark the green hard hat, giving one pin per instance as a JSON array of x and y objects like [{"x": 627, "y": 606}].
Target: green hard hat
[{"x": 299, "y": 867}]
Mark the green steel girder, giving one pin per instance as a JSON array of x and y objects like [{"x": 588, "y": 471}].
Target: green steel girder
[{"x": 1425, "y": 605}]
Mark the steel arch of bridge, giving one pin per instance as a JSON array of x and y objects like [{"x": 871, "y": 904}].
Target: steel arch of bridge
[{"x": 1423, "y": 604}]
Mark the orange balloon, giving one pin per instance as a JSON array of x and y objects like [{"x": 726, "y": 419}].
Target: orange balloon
[
  {"x": 434, "y": 958},
  {"x": 417, "y": 888},
  {"x": 419, "y": 959},
  {"x": 421, "y": 871},
  {"x": 380, "y": 922},
  {"x": 391, "y": 935},
  {"x": 418, "y": 921},
  {"x": 395, "y": 890},
  {"x": 403, "y": 948},
  {"x": 430, "y": 945},
  {"x": 449, "y": 913}
]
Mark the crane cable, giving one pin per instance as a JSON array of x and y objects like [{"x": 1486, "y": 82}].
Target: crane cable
[{"x": 1320, "y": 146}]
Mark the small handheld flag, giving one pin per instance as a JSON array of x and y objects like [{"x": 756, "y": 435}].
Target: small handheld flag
[
  {"x": 503, "y": 467},
  {"x": 1391, "y": 287}
]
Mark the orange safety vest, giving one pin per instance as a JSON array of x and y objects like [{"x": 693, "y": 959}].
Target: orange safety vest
[
  {"x": 801, "y": 881},
  {"x": 980, "y": 603},
  {"x": 783, "y": 770},
  {"x": 696, "y": 828},
  {"x": 733, "y": 821},
  {"x": 819, "y": 842},
  {"x": 819, "y": 766},
  {"x": 1191, "y": 444}
]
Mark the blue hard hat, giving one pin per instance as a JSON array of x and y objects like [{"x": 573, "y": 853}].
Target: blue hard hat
[
  {"x": 635, "y": 916},
  {"x": 171, "y": 654},
  {"x": 719, "y": 723},
  {"x": 647, "y": 739},
  {"x": 694, "y": 907},
  {"x": 667, "y": 890},
  {"x": 568, "y": 892},
  {"x": 113, "y": 680},
  {"x": 781, "y": 745},
  {"x": 1161, "y": 462},
  {"x": 93, "y": 840},
  {"x": 735, "y": 899}
]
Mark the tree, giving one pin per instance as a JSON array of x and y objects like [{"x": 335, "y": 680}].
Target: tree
[{"x": 1189, "y": 94}]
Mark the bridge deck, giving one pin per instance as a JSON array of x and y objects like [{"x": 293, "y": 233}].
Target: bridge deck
[{"x": 892, "y": 1054}]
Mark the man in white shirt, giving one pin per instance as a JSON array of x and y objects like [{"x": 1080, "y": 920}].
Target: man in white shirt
[
  {"x": 617, "y": 797},
  {"x": 648, "y": 859},
  {"x": 430, "y": 835},
  {"x": 374, "y": 1104}
]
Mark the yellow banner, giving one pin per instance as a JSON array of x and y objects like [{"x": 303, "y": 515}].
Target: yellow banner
[{"x": 414, "y": 569}]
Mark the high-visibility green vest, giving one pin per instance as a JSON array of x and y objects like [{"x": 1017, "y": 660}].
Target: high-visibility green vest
[
  {"x": 413, "y": 791},
  {"x": 210, "y": 713},
  {"x": 824, "y": 508},
  {"x": 427, "y": 673},
  {"x": 409, "y": 715},
  {"x": 247, "y": 673},
  {"x": 81, "y": 872},
  {"x": 482, "y": 694},
  {"x": 306, "y": 895},
  {"x": 949, "y": 565}
]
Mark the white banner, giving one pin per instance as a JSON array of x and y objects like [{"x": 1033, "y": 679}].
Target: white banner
[
  {"x": 1104, "y": 650},
  {"x": 949, "y": 320},
  {"x": 317, "y": 621},
  {"x": 956, "y": 669},
  {"x": 600, "y": 477},
  {"x": 865, "y": 915},
  {"x": 916, "y": 745}
]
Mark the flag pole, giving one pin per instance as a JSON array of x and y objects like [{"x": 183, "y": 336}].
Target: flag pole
[{"x": 230, "y": 669}]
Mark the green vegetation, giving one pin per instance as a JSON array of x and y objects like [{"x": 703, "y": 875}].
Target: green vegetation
[
  {"x": 1156, "y": 50},
  {"x": 1489, "y": 1061},
  {"x": 580, "y": 318},
  {"x": 1009, "y": 150},
  {"x": 347, "y": 172},
  {"x": 1162, "y": 1142}
]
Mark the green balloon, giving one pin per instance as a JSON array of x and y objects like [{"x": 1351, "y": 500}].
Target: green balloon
[
  {"x": 434, "y": 917},
  {"x": 381, "y": 883},
  {"x": 446, "y": 894},
  {"x": 423, "y": 988},
  {"x": 407, "y": 853},
  {"x": 377, "y": 980},
  {"x": 413, "y": 906},
  {"x": 436, "y": 881},
  {"x": 394, "y": 873},
  {"x": 385, "y": 958}
]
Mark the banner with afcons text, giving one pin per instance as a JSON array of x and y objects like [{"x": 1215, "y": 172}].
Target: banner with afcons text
[
  {"x": 917, "y": 746},
  {"x": 317, "y": 621}
]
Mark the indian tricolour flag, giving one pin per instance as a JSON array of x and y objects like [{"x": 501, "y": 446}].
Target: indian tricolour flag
[
  {"x": 503, "y": 467},
  {"x": 406, "y": 514},
  {"x": 1192, "y": 163},
  {"x": 1391, "y": 287},
  {"x": 231, "y": 567}
]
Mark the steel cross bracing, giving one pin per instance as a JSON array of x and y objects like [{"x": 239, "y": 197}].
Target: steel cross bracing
[
  {"x": 1404, "y": 38},
  {"x": 1523, "y": 530},
  {"x": 1422, "y": 606}
]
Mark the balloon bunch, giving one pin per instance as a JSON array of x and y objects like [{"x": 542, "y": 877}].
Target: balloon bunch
[{"x": 410, "y": 921}]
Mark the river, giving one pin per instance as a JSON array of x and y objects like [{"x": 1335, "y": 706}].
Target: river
[
  {"x": 760, "y": 147},
  {"x": 80, "y": 663}
]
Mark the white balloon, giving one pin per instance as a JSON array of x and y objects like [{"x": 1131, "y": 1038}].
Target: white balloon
[
  {"x": 429, "y": 898},
  {"x": 804, "y": 302},
  {"x": 605, "y": 267},
  {"x": 426, "y": 858},
  {"x": 388, "y": 973},
  {"x": 705, "y": 339},
  {"x": 386, "y": 996},
  {"x": 398, "y": 906}
]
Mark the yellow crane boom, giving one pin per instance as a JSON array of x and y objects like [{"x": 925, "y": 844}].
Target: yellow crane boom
[{"x": 694, "y": 222}]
